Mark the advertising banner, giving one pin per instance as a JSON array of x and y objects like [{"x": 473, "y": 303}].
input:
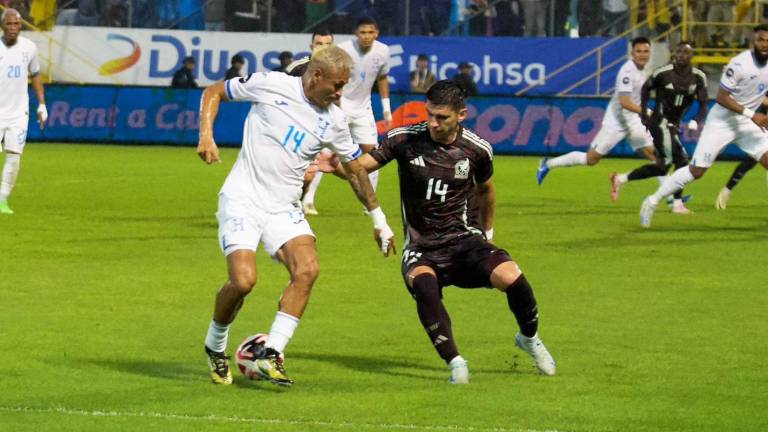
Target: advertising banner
[
  {"x": 145, "y": 115},
  {"x": 501, "y": 66}
]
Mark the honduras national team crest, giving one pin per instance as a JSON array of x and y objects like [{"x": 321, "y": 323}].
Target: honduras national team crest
[{"x": 462, "y": 169}]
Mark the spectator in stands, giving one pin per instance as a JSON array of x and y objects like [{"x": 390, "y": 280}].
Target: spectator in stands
[
  {"x": 465, "y": 80},
  {"x": 589, "y": 16},
  {"x": 286, "y": 58},
  {"x": 184, "y": 77},
  {"x": 114, "y": 13},
  {"x": 535, "y": 17},
  {"x": 422, "y": 78},
  {"x": 235, "y": 70},
  {"x": 615, "y": 17},
  {"x": 509, "y": 18},
  {"x": 215, "y": 14},
  {"x": 721, "y": 11}
]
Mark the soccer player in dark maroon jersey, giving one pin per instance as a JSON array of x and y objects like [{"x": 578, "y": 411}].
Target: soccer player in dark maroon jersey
[{"x": 443, "y": 168}]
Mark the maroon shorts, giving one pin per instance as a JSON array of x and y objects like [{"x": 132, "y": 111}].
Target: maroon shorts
[{"x": 467, "y": 263}]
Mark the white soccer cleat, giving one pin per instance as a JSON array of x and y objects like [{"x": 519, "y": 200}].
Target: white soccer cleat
[
  {"x": 681, "y": 210},
  {"x": 646, "y": 213},
  {"x": 459, "y": 373},
  {"x": 538, "y": 352},
  {"x": 722, "y": 198},
  {"x": 309, "y": 209}
]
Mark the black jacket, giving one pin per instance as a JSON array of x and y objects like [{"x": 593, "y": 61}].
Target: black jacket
[{"x": 183, "y": 79}]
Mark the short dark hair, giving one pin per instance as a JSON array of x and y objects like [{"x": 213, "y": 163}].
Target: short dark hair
[
  {"x": 422, "y": 57},
  {"x": 237, "y": 58},
  {"x": 285, "y": 55},
  {"x": 761, "y": 27},
  {"x": 448, "y": 92},
  {"x": 684, "y": 42},
  {"x": 366, "y": 20},
  {"x": 640, "y": 40},
  {"x": 323, "y": 31},
  {"x": 189, "y": 59}
]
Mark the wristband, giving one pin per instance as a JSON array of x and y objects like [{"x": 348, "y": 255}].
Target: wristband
[
  {"x": 748, "y": 113},
  {"x": 385, "y": 106},
  {"x": 378, "y": 217}
]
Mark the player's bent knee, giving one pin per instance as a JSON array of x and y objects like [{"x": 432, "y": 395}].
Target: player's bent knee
[
  {"x": 505, "y": 274},
  {"x": 306, "y": 273},
  {"x": 243, "y": 282},
  {"x": 698, "y": 172},
  {"x": 593, "y": 158}
]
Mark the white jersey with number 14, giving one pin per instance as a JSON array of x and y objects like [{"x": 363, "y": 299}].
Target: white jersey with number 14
[{"x": 282, "y": 134}]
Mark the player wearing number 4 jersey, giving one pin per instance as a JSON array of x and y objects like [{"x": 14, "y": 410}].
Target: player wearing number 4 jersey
[
  {"x": 18, "y": 64},
  {"x": 443, "y": 167},
  {"x": 732, "y": 120},
  {"x": 290, "y": 121}
]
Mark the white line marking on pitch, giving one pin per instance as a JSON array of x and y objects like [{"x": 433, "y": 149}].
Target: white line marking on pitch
[{"x": 217, "y": 418}]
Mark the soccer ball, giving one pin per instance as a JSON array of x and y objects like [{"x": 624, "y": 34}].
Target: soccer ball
[
  {"x": 248, "y": 351},
  {"x": 251, "y": 349}
]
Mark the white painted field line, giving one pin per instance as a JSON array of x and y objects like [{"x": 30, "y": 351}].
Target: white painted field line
[{"x": 217, "y": 418}]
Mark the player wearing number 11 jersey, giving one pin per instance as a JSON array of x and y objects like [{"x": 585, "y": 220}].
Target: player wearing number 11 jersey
[{"x": 443, "y": 167}]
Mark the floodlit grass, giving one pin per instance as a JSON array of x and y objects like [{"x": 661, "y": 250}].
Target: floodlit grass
[{"x": 109, "y": 267}]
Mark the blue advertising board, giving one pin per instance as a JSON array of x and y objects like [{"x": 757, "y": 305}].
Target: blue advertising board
[
  {"x": 507, "y": 65},
  {"x": 146, "y": 115}
]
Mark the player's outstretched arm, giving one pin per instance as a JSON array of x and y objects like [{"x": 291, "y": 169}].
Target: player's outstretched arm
[
  {"x": 724, "y": 98},
  {"x": 42, "y": 111},
  {"x": 209, "y": 108},
  {"x": 383, "y": 85},
  {"x": 361, "y": 185},
  {"x": 487, "y": 194}
]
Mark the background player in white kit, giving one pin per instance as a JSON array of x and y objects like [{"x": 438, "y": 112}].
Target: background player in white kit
[
  {"x": 18, "y": 63},
  {"x": 732, "y": 120},
  {"x": 621, "y": 120},
  {"x": 290, "y": 120},
  {"x": 370, "y": 64}
]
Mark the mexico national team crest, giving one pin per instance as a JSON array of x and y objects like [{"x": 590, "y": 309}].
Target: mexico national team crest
[{"x": 462, "y": 169}]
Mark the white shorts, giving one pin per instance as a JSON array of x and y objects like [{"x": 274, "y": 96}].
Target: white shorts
[
  {"x": 613, "y": 130},
  {"x": 13, "y": 134},
  {"x": 362, "y": 125},
  {"x": 242, "y": 225},
  {"x": 723, "y": 127}
]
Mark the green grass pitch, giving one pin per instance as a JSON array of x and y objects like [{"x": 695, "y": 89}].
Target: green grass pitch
[{"x": 109, "y": 267}]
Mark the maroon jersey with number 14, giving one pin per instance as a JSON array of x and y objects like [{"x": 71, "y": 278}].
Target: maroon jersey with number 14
[{"x": 437, "y": 183}]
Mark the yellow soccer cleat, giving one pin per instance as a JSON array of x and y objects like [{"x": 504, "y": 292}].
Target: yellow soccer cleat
[
  {"x": 270, "y": 367},
  {"x": 218, "y": 363}
]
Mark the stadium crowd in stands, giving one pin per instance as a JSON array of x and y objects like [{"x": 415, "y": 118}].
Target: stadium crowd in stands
[{"x": 534, "y": 18}]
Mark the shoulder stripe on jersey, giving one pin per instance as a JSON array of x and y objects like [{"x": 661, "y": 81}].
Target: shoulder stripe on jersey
[
  {"x": 700, "y": 73},
  {"x": 662, "y": 69},
  {"x": 295, "y": 64},
  {"x": 476, "y": 140},
  {"x": 412, "y": 129}
]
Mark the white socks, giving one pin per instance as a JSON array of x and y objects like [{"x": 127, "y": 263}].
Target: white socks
[
  {"x": 309, "y": 197},
  {"x": 672, "y": 184},
  {"x": 218, "y": 334},
  {"x": 10, "y": 171},
  {"x": 568, "y": 159},
  {"x": 282, "y": 331}
]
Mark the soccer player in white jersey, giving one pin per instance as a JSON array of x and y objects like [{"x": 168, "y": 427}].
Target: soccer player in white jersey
[
  {"x": 621, "y": 119},
  {"x": 18, "y": 63},
  {"x": 370, "y": 59},
  {"x": 290, "y": 120},
  {"x": 732, "y": 120}
]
